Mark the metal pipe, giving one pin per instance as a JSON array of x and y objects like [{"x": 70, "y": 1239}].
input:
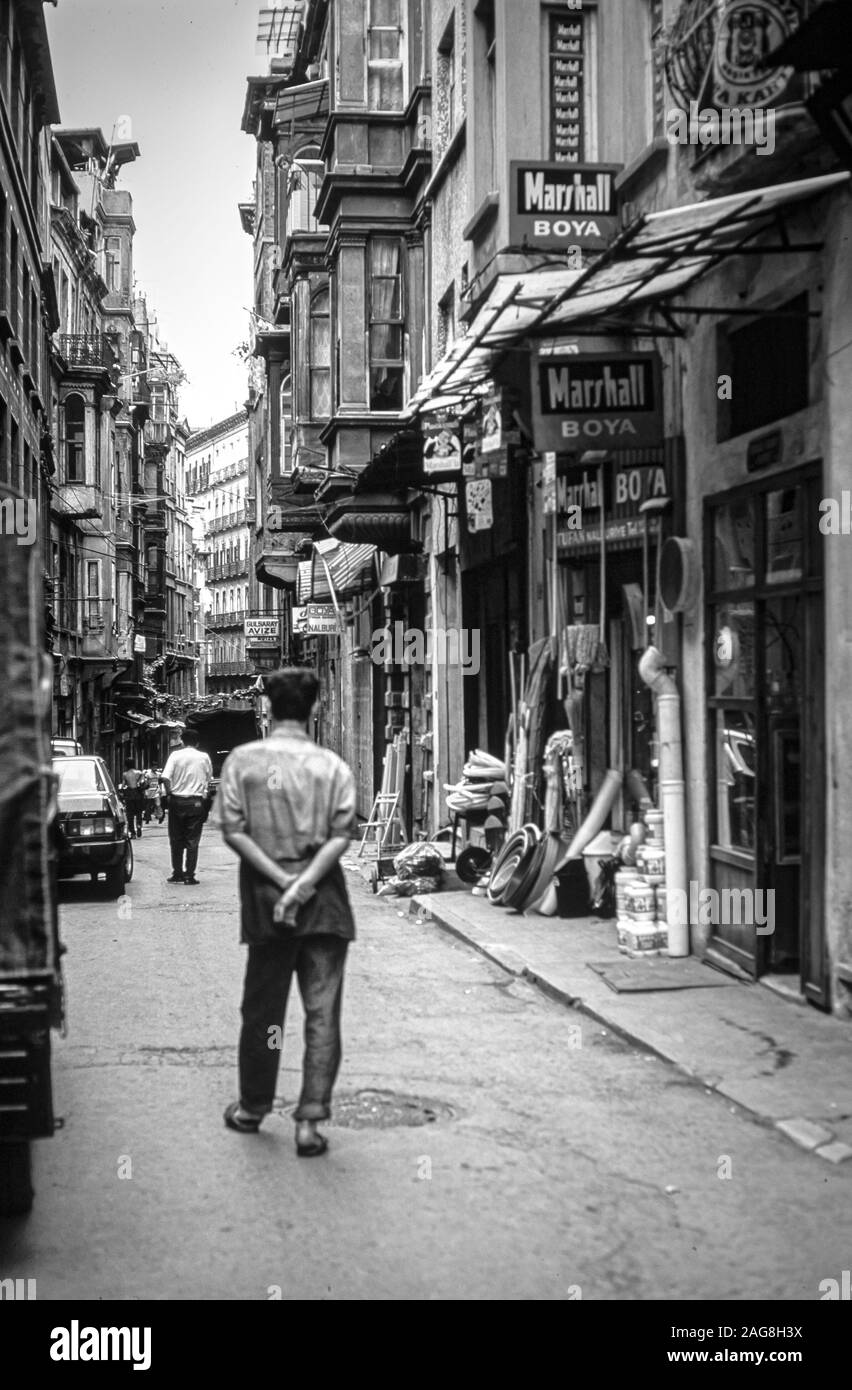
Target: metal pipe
[{"x": 653, "y": 671}]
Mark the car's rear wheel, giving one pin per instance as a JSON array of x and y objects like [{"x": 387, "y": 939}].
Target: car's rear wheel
[{"x": 128, "y": 862}]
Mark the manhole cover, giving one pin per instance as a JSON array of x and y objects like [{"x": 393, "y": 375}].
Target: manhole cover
[{"x": 386, "y": 1110}]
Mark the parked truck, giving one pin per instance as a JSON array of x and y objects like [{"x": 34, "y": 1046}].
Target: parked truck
[{"x": 31, "y": 1001}]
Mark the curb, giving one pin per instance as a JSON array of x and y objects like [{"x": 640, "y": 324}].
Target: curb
[{"x": 803, "y": 1133}]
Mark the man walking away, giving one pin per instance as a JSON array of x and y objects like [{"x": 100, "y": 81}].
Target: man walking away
[
  {"x": 287, "y": 807},
  {"x": 186, "y": 781},
  {"x": 134, "y": 797}
]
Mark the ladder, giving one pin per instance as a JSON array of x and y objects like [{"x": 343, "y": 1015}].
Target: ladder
[{"x": 386, "y": 825}]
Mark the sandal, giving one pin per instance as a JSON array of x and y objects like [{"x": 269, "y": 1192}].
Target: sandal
[
  {"x": 314, "y": 1149},
  {"x": 235, "y": 1121}
]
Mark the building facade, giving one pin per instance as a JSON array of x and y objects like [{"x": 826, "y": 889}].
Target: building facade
[
  {"x": 585, "y": 402},
  {"x": 217, "y": 461}
]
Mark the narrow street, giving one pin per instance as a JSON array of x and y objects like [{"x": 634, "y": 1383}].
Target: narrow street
[{"x": 563, "y": 1163}]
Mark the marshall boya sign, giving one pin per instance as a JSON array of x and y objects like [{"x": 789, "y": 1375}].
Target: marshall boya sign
[
  {"x": 597, "y": 401},
  {"x": 561, "y": 206}
]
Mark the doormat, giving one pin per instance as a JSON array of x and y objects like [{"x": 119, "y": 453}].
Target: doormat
[{"x": 641, "y": 976}]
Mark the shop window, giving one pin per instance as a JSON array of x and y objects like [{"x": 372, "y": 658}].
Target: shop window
[
  {"x": 75, "y": 439},
  {"x": 734, "y": 651},
  {"x": 736, "y": 774},
  {"x": 784, "y": 538},
  {"x": 767, "y": 362},
  {"x": 385, "y": 56},
  {"x": 320, "y": 356},
  {"x": 733, "y": 545},
  {"x": 386, "y": 323}
]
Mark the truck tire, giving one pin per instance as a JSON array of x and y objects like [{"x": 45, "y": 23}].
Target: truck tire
[{"x": 16, "y": 1188}]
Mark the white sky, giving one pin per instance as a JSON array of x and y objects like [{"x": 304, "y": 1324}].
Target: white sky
[{"x": 178, "y": 68}]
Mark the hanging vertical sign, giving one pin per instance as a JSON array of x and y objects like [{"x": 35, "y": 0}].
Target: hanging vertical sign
[
  {"x": 567, "y": 87},
  {"x": 492, "y": 422}
]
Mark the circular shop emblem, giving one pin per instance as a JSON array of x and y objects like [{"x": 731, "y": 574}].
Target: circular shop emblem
[{"x": 748, "y": 32}]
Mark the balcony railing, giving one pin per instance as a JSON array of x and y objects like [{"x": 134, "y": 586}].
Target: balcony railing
[
  {"x": 86, "y": 350},
  {"x": 234, "y": 617},
  {"x": 227, "y": 569},
  {"x": 224, "y": 523},
  {"x": 230, "y": 668}
]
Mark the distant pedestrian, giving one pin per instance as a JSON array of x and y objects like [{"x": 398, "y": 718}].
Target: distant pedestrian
[
  {"x": 152, "y": 794},
  {"x": 287, "y": 807},
  {"x": 186, "y": 780},
  {"x": 134, "y": 797}
]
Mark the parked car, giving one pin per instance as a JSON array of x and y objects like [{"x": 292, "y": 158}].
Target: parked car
[
  {"x": 93, "y": 834},
  {"x": 65, "y": 748}
]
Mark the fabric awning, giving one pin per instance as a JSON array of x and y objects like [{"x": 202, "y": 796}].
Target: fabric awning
[
  {"x": 660, "y": 254},
  {"x": 303, "y": 101},
  {"x": 139, "y": 719},
  {"x": 334, "y": 570}
]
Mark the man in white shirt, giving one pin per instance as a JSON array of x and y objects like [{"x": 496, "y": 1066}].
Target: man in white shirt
[{"x": 186, "y": 778}]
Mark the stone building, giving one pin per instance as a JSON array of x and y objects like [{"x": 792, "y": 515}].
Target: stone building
[{"x": 217, "y": 464}]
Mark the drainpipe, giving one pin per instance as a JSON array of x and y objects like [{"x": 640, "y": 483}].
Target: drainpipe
[{"x": 653, "y": 670}]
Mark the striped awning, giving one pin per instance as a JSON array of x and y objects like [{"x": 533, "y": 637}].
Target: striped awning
[{"x": 334, "y": 571}]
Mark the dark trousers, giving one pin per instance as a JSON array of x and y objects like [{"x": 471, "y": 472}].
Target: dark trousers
[
  {"x": 134, "y": 801},
  {"x": 186, "y": 821},
  {"x": 317, "y": 962}
]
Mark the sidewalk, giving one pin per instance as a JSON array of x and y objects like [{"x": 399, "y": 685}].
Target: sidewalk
[{"x": 785, "y": 1063}]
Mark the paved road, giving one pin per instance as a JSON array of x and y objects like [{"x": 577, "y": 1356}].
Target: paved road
[{"x": 571, "y": 1165}]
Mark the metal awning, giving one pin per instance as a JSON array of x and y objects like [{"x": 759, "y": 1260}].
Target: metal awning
[{"x": 661, "y": 254}]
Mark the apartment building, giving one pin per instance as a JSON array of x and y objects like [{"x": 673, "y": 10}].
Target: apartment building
[{"x": 217, "y": 462}]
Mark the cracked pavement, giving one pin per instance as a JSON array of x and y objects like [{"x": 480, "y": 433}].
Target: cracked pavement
[{"x": 571, "y": 1163}]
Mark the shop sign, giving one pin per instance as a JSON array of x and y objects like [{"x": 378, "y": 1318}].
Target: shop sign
[
  {"x": 140, "y": 643},
  {"x": 578, "y": 501},
  {"x": 478, "y": 504},
  {"x": 549, "y": 485},
  {"x": 630, "y": 529},
  {"x": 262, "y": 632},
  {"x": 492, "y": 422},
  {"x": 559, "y": 206},
  {"x": 442, "y": 448},
  {"x": 748, "y": 32},
  {"x": 315, "y": 620},
  {"x": 594, "y": 401}
]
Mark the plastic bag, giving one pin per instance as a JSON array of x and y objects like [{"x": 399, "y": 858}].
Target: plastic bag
[{"x": 419, "y": 861}]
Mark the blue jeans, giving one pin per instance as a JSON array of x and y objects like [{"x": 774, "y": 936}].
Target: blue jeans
[{"x": 317, "y": 962}]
